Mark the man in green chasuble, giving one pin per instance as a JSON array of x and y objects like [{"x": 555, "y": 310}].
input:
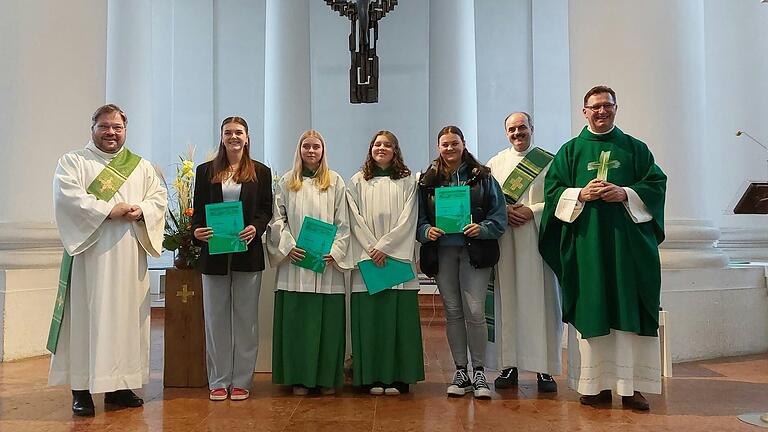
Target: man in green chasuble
[{"x": 600, "y": 230}]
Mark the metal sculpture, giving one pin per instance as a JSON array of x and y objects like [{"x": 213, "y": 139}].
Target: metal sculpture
[{"x": 364, "y": 70}]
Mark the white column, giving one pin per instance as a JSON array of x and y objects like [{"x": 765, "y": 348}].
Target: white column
[
  {"x": 192, "y": 80},
  {"x": 452, "y": 70},
  {"x": 287, "y": 89},
  {"x": 659, "y": 80},
  {"x": 129, "y": 69},
  {"x": 551, "y": 81},
  {"x": 504, "y": 69},
  {"x": 53, "y": 77},
  {"x": 238, "y": 55}
]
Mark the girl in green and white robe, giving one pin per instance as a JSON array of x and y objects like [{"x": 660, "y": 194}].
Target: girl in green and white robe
[
  {"x": 387, "y": 352},
  {"x": 309, "y": 321}
]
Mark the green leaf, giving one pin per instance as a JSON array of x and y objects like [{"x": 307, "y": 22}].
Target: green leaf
[{"x": 170, "y": 243}]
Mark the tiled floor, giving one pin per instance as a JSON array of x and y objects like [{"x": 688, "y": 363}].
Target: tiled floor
[{"x": 703, "y": 396}]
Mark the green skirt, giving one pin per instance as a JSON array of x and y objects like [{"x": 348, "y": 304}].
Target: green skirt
[
  {"x": 386, "y": 338},
  {"x": 308, "y": 339}
]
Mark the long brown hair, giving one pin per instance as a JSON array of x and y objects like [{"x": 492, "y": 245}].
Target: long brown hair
[
  {"x": 399, "y": 169},
  {"x": 438, "y": 173},
  {"x": 322, "y": 178},
  {"x": 246, "y": 172}
]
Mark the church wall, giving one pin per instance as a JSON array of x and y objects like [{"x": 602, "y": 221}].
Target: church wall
[
  {"x": 52, "y": 77},
  {"x": 736, "y": 41},
  {"x": 403, "y": 105},
  {"x": 207, "y": 63},
  {"x": 504, "y": 43}
]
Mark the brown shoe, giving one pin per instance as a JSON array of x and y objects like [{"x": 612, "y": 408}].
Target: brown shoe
[
  {"x": 600, "y": 398},
  {"x": 636, "y": 401}
]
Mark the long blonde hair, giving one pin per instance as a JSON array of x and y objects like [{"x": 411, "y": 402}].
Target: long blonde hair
[{"x": 322, "y": 178}]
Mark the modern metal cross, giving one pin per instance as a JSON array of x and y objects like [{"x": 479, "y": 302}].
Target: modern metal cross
[{"x": 364, "y": 71}]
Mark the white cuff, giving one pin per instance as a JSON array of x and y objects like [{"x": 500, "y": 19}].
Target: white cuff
[
  {"x": 569, "y": 207},
  {"x": 636, "y": 207}
]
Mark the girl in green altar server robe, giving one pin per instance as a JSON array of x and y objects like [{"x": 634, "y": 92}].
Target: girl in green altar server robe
[
  {"x": 309, "y": 322},
  {"x": 387, "y": 352}
]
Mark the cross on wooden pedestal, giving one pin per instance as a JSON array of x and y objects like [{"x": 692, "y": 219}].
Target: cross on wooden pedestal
[
  {"x": 184, "y": 293},
  {"x": 603, "y": 165}
]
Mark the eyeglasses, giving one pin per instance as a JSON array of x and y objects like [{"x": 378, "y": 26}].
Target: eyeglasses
[
  {"x": 105, "y": 128},
  {"x": 598, "y": 107}
]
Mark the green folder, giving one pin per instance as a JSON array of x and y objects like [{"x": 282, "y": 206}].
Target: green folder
[
  {"x": 452, "y": 210},
  {"x": 392, "y": 273},
  {"x": 226, "y": 220},
  {"x": 315, "y": 238}
]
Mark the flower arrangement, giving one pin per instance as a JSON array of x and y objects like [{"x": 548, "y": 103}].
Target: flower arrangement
[{"x": 178, "y": 224}]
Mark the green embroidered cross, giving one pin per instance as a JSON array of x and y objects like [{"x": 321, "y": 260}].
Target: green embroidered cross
[{"x": 603, "y": 165}]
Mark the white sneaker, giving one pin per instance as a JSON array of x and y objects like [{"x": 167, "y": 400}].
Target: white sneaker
[
  {"x": 480, "y": 386},
  {"x": 391, "y": 391},
  {"x": 460, "y": 385},
  {"x": 376, "y": 390},
  {"x": 300, "y": 390}
]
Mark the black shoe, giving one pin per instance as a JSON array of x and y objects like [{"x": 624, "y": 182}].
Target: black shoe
[
  {"x": 604, "y": 397},
  {"x": 126, "y": 398},
  {"x": 82, "y": 403},
  {"x": 460, "y": 384},
  {"x": 507, "y": 378},
  {"x": 480, "y": 386},
  {"x": 637, "y": 402},
  {"x": 402, "y": 387},
  {"x": 546, "y": 383}
]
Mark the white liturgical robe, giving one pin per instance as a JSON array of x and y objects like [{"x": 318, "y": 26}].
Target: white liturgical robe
[
  {"x": 528, "y": 314},
  {"x": 290, "y": 208},
  {"x": 104, "y": 341},
  {"x": 383, "y": 216}
]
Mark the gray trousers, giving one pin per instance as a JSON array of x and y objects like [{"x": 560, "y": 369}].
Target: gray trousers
[
  {"x": 231, "y": 305},
  {"x": 462, "y": 288}
]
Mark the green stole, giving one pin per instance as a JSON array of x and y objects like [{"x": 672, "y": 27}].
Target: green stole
[
  {"x": 103, "y": 187},
  {"x": 525, "y": 173}
]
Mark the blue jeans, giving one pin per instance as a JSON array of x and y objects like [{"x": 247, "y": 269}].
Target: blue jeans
[{"x": 463, "y": 289}]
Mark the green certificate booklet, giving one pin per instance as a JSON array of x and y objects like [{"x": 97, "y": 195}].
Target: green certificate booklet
[
  {"x": 378, "y": 279},
  {"x": 226, "y": 220},
  {"x": 316, "y": 238},
  {"x": 452, "y": 211}
]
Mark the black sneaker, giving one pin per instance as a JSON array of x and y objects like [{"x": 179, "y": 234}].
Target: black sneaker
[
  {"x": 507, "y": 378},
  {"x": 480, "y": 386},
  {"x": 546, "y": 383},
  {"x": 460, "y": 385}
]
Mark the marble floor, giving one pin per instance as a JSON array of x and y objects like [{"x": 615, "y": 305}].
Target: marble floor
[{"x": 702, "y": 396}]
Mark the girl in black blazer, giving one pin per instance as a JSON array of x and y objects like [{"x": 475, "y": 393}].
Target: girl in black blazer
[{"x": 231, "y": 282}]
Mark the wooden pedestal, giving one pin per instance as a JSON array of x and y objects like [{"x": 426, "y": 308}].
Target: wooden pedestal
[{"x": 184, "y": 330}]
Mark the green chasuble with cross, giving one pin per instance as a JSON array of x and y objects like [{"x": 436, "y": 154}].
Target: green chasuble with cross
[{"x": 607, "y": 265}]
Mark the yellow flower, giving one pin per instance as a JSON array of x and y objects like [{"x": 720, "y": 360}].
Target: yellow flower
[{"x": 186, "y": 166}]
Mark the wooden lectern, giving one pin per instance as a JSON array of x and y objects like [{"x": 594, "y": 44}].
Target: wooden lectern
[{"x": 184, "y": 330}]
